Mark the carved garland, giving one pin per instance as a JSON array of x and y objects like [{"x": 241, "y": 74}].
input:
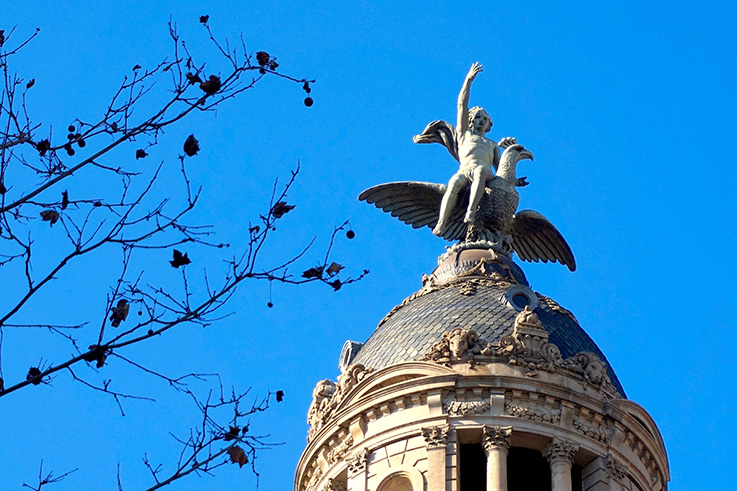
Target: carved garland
[
  {"x": 532, "y": 413},
  {"x": 599, "y": 433},
  {"x": 466, "y": 408}
]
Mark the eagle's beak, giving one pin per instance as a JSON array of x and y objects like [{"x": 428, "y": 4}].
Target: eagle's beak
[{"x": 526, "y": 154}]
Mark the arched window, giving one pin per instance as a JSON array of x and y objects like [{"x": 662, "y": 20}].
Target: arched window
[
  {"x": 397, "y": 483},
  {"x": 405, "y": 479}
]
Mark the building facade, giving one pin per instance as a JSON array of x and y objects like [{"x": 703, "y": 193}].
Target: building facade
[{"x": 476, "y": 382}]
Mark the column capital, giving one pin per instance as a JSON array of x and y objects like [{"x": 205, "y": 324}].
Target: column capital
[
  {"x": 358, "y": 462},
  {"x": 561, "y": 450},
  {"x": 615, "y": 469},
  {"x": 496, "y": 437},
  {"x": 436, "y": 436}
]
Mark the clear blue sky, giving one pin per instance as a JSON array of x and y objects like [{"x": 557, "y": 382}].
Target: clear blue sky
[{"x": 627, "y": 106}]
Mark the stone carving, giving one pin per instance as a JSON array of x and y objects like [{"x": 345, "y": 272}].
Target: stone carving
[
  {"x": 335, "y": 485},
  {"x": 314, "y": 479},
  {"x": 468, "y": 144},
  {"x": 358, "y": 462},
  {"x": 436, "y": 436},
  {"x": 457, "y": 345},
  {"x": 316, "y": 414},
  {"x": 466, "y": 408},
  {"x": 339, "y": 451},
  {"x": 615, "y": 469},
  {"x": 534, "y": 414},
  {"x": 560, "y": 450},
  {"x": 528, "y": 345},
  {"x": 476, "y": 207},
  {"x": 591, "y": 368},
  {"x": 327, "y": 396},
  {"x": 496, "y": 437},
  {"x": 600, "y": 433}
]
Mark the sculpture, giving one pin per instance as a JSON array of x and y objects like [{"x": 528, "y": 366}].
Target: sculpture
[
  {"x": 489, "y": 220},
  {"x": 470, "y": 147}
]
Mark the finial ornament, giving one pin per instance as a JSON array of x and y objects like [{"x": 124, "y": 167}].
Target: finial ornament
[{"x": 477, "y": 207}]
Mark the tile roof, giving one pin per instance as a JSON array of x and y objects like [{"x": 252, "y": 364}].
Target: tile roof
[{"x": 409, "y": 331}]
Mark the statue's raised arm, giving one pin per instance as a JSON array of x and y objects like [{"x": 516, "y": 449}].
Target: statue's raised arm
[{"x": 464, "y": 96}]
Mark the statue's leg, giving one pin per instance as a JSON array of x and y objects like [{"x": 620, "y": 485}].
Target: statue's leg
[
  {"x": 456, "y": 184},
  {"x": 480, "y": 176}
]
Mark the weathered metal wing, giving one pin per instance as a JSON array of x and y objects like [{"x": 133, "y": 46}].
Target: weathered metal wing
[
  {"x": 535, "y": 239},
  {"x": 418, "y": 204}
]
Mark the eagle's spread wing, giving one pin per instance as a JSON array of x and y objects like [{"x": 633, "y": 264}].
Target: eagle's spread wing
[
  {"x": 417, "y": 204},
  {"x": 535, "y": 239}
]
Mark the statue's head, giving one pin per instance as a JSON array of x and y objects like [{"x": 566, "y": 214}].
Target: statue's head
[{"x": 479, "y": 119}]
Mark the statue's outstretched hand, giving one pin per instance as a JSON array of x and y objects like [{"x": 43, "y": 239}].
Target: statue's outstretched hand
[
  {"x": 507, "y": 141},
  {"x": 522, "y": 182},
  {"x": 476, "y": 68}
]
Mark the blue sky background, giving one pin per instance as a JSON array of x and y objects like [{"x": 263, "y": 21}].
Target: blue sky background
[{"x": 628, "y": 108}]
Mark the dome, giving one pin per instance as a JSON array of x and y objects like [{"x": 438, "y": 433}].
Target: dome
[{"x": 472, "y": 289}]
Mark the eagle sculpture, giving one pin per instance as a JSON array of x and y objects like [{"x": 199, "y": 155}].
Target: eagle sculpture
[{"x": 497, "y": 222}]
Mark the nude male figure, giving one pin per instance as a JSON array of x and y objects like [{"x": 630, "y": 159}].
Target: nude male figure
[{"x": 476, "y": 154}]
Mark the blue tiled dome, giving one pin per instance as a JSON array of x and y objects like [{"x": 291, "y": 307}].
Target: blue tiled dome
[{"x": 470, "y": 290}]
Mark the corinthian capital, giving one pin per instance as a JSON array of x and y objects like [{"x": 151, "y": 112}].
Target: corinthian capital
[
  {"x": 496, "y": 437},
  {"x": 436, "y": 436},
  {"x": 560, "y": 450}
]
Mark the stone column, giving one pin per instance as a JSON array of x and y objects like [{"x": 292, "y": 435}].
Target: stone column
[
  {"x": 560, "y": 454},
  {"x": 496, "y": 446},
  {"x": 436, "y": 439}
]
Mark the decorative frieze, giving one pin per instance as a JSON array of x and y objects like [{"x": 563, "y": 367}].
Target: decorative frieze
[
  {"x": 496, "y": 437},
  {"x": 465, "y": 408},
  {"x": 339, "y": 451},
  {"x": 561, "y": 450},
  {"x": 600, "y": 433},
  {"x": 544, "y": 415}
]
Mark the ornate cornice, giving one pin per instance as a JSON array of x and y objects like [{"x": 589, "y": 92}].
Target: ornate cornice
[
  {"x": 436, "y": 436},
  {"x": 561, "y": 450},
  {"x": 496, "y": 437}
]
